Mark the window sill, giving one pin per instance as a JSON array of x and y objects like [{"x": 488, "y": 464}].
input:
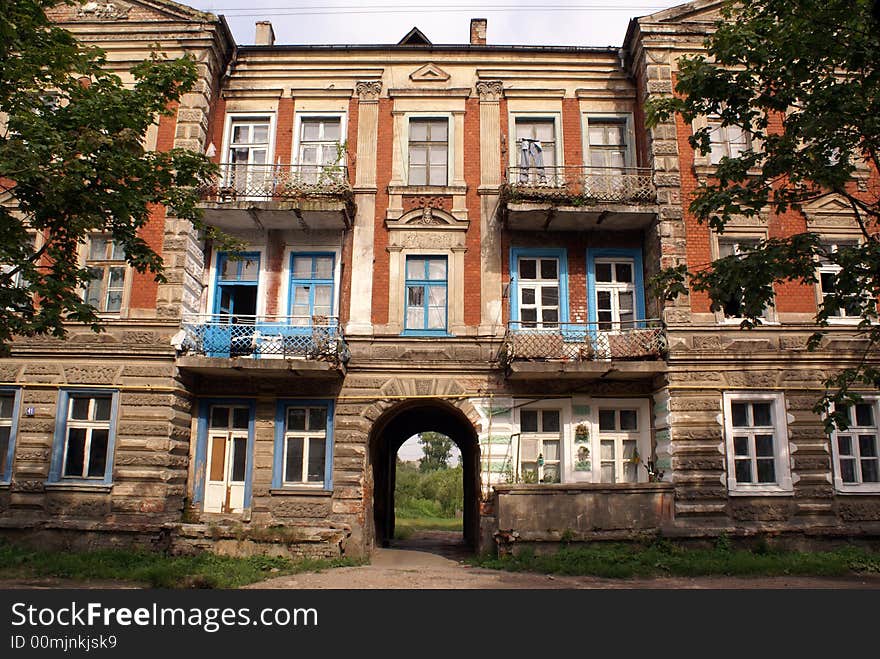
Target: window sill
[
  {"x": 5, "y": 485},
  {"x": 300, "y": 492},
  {"x": 858, "y": 490},
  {"x": 428, "y": 189},
  {"x": 736, "y": 322},
  {"x": 79, "y": 486},
  {"x": 761, "y": 492},
  {"x": 427, "y": 333}
]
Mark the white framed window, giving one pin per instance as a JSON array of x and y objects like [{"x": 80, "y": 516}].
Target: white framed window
[
  {"x": 536, "y": 146},
  {"x": 540, "y": 447},
  {"x": 620, "y": 456},
  {"x": 615, "y": 293},
  {"x": 305, "y": 446},
  {"x": 756, "y": 440},
  {"x": 105, "y": 261},
  {"x": 732, "y": 308},
  {"x": 428, "y": 151},
  {"x": 608, "y": 142},
  {"x": 87, "y": 437},
  {"x": 8, "y": 411},
  {"x": 827, "y": 273},
  {"x": 248, "y": 167},
  {"x": 726, "y": 141},
  {"x": 856, "y": 450},
  {"x": 538, "y": 291},
  {"x": 319, "y": 147}
]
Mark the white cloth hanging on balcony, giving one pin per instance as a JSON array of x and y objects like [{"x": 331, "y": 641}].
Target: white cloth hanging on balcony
[{"x": 531, "y": 155}]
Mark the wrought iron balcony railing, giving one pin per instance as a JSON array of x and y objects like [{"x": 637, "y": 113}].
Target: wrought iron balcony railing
[
  {"x": 638, "y": 339},
  {"x": 582, "y": 185},
  {"x": 277, "y": 182},
  {"x": 264, "y": 337}
]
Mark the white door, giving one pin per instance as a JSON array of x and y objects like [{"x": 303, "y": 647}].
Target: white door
[
  {"x": 227, "y": 460},
  {"x": 615, "y": 305}
]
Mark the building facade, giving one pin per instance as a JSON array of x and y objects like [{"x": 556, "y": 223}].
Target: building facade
[{"x": 450, "y": 238}]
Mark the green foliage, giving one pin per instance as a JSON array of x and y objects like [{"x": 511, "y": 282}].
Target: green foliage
[
  {"x": 158, "y": 570},
  {"x": 72, "y": 163},
  {"x": 428, "y": 494},
  {"x": 664, "y": 558},
  {"x": 802, "y": 77},
  {"x": 437, "y": 449}
]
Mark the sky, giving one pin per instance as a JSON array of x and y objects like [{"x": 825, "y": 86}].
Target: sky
[
  {"x": 411, "y": 451},
  {"x": 511, "y": 22}
]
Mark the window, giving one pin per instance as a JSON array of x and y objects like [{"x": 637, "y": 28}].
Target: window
[
  {"x": 757, "y": 443},
  {"x": 319, "y": 151},
  {"x": 725, "y": 141},
  {"x": 426, "y": 294},
  {"x": 226, "y": 448},
  {"x": 541, "y": 445},
  {"x": 248, "y": 156},
  {"x": 619, "y": 435},
  {"x": 428, "y": 151},
  {"x": 536, "y": 149},
  {"x": 105, "y": 261},
  {"x": 828, "y": 273},
  {"x": 303, "y": 444},
  {"x": 733, "y": 307},
  {"x": 615, "y": 293},
  {"x": 538, "y": 291},
  {"x": 8, "y": 424},
  {"x": 84, "y": 437},
  {"x": 856, "y": 454},
  {"x": 311, "y": 287},
  {"x": 607, "y": 142}
]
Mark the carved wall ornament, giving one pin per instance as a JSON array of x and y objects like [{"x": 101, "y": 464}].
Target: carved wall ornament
[
  {"x": 103, "y": 10},
  {"x": 429, "y": 73},
  {"x": 368, "y": 90},
  {"x": 490, "y": 90},
  {"x": 428, "y": 215}
]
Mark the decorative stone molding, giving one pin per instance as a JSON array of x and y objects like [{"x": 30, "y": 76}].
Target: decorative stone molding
[
  {"x": 429, "y": 73},
  {"x": 490, "y": 91},
  {"x": 428, "y": 216},
  {"x": 98, "y": 10},
  {"x": 368, "y": 90}
]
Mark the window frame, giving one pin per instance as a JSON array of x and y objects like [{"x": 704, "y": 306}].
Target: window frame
[
  {"x": 615, "y": 254},
  {"x": 770, "y": 316},
  {"x": 551, "y": 115},
  {"x": 200, "y": 470},
  {"x": 407, "y": 282},
  {"x": 106, "y": 265},
  {"x": 304, "y": 115},
  {"x": 60, "y": 439},
  {"x": 784, "y": 485},
  {"x": 725, "y": 143},
  {"x": 279, "y": 455},
  {"x": 212, "y": 305},
  {"x": 561, "y": 407},
  {"x": 619, "y": 117},
  {"x": 834, "y": 240},
  {"x": 450, "y": 142},
  {"x": 840, "y": 486},
  {"x": 561, "y": 256},
  {"x": 6, "y": 472},
  {"x": 293, "y": 282}
]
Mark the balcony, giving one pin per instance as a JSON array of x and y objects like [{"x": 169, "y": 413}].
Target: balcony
[
  {"x": 579, "y": 198},
  {"x": 218, "y": 344},
  {"x": 279, "y": 197},
  {"x": 620, "y": 351}
]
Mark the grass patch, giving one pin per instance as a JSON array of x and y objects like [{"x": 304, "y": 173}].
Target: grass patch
[
  {"x": 404, "y": 527},
  {"x": 158, "y": 570},
  {"x": 662, "y": 558}
]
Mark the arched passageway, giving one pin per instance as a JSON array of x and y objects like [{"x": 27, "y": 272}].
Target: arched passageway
[{"x": 389, "y": 433}]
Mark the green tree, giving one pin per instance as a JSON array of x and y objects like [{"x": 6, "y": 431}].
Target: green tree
[
  {"x": 803, "y": 77},
  {"x": 72, "y": 163},
  {"x": 437, "y": 449}
]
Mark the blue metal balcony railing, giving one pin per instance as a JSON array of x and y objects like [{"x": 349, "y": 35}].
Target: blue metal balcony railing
[{"x": 264, "y": 337}]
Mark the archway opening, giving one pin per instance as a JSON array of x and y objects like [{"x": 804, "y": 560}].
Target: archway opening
[{"x": 391, "y": 431}]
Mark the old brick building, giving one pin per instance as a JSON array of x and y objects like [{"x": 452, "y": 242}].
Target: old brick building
[{"x": 440, "y": 237}]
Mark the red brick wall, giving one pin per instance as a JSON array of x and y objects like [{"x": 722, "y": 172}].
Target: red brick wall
[
  {"x": 345, "y": 273},
  {"x": 505, "y": 134},
  {"x": 351, "y": 138},
  {"x": 380, "y": 242},
  {"x": 143, "y": 285},
  {"x": 572, "y": 140},
  {"x": 472, "y": 266},
  {"x": 284, "y": 131},
  {"x": 215, "y": 129}
]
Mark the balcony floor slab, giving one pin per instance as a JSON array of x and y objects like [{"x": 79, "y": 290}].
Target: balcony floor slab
[
  {"x": 587, "y": 370},
  {"x": 265, "y": 367}
]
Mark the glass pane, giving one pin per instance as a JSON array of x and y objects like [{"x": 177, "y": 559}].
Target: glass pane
[
  {"x": 418, "y": 155},
  {"x": 864, "y": 415},
  {"x": 437, "y": 175},
  {"x": 597, "y": 158},
  {"x": 740, "y": 415},
  {"x": 296, "y": 418},
  {"x": 551, "y": 473},
  {"x": 418, "y": 130},
  {"x": 549, "y": 296},
  {"x": 870, "y": 471},
  {"x": 415, "y": 296},
  {"x": 528, "y": 421},
  {"x": 437, "y": 156},
  {"x": 308, "y": 155},
  {"x": 324, "y": 267},
  {"x": 76, "y": 443},
  {"x": 766, "y": 471},
  {"x": 548, "y": 269},
  {"x": 848, "y": 470},
  {"x": 323, "y": 296},
  {"x": 260, "y": 133},
  {"x": 437, "y": 269},
  {"x": 240, "y": 418},
  {"x": 6, "y": 403},
  {"x": 741, "y": 446},
  {"x": 528, "y": 315},
  {"x": 301, "y": 298},
  {"x": 317, "y": 449},
  {"x": 630, "y": 472},
  {"x": 311, "y": 130},
  {"x": 550, "y": 315},
  {"x": 629, "y": 449},
  {"x": 868, "y": 446},
  {"x": 79, "y": 408},
  {"x": 597, "y": 134},
  {"x": 4, "y": 449},
  {"x": 317, "y": 418},
  {"x": 98, "y": 453},
  {"x": 603, "y": 299},
  {"x": 437, "y": 296},
  {"x": 528, "y": 268},
  {"x": 550, "y": 421},
  {"x": 624, "y": 272},
  {"x": 761, "y": 414},
  {"x": 241, "y": 134},
  {"x": 117, "y": 253},
  {"x": 219, "y": 417},
  {"x": 628, "y": 420},
  {"x": 764, "y": 446},
  {"x": 607, "y": 421},
  {"x": 228, "y": 267},
  {"x": 98, "y": 249},
  {"x": 743, "y": 471},
  {"x": 607, "y": 473},
  {"x": 239, "y": 458},
  {"x": 114, "y": 301},
  {"x": 415, "y": 318},
  {"x": 551, "y": 451},
  {"x": 607, "y": 449},
  {"x": 415, "y": 268},
  {"x": 527, "y": 295},
  {"x": 218, "y": 459},
  {"x": 293, "y": 462},
  {"x": 102, "y": 409},
  {"x": 418, "y": 175},
  {"x": 625, "y": 303},
  {"x": 332, "y": 129},
  {"x": 258, "y": 157},
  {"x": 844, "y": 445},
  {"x": 603, "y": 272},
  {"x": 93, "y": 288},
  {"x": 117, "y": 277},
  {"x": 438, "y": 130},
  {"x": 250, "y": 268},
  {"x": 302, "y": 267}
]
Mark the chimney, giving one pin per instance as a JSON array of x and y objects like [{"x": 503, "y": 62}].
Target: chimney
[
  {"x": 265, "y": 34},
  {"x": 478, "y": 31}
]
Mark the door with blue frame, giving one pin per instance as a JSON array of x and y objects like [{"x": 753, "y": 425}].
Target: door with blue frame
[{"x": 230, "y": 331}]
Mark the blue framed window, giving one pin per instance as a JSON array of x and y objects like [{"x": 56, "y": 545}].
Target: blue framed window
[
  {"x": 10, "y": 399},
  {"x": 303, "y": 444},
  {"x": 425, "y": 302},
  {"x": 615, "y": 288},
  {"x": 311, "y": 286},
  {"x": 538, "y": 288},
  {"x": 237, "y": 282},
  {"x": 85, "y": 436},
  {"x": 223, "y": 477}
]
